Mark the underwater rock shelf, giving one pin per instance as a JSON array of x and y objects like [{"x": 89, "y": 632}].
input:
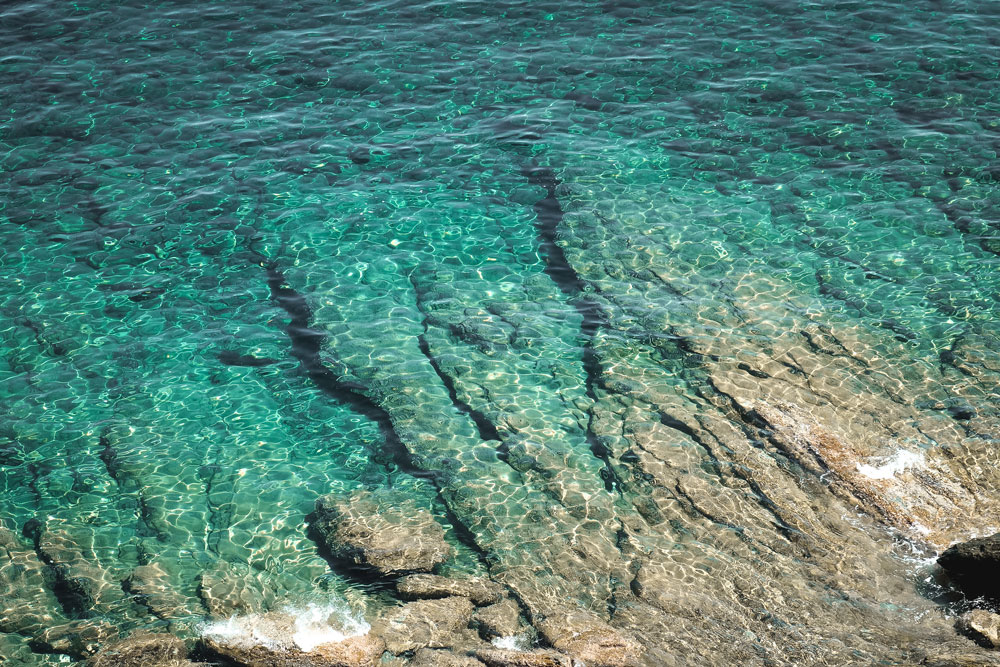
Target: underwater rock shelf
[{"x": 619, "y": 334}]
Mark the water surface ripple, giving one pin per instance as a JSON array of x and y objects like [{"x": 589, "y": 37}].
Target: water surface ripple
[{"x": 680, "y": 319}]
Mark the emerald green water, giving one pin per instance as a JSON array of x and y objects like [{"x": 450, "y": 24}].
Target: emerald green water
[{"x": 734, "y": 180}]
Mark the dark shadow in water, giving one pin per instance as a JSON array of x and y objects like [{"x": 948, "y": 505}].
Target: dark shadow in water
[
  {"x": 549, "y": 214},
  {"x": 306, "y": 346}
]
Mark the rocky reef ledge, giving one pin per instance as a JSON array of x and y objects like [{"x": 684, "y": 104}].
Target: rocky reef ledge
[
  {"x": 448, "y": 621},
  {"x": 455, "y": 621}
]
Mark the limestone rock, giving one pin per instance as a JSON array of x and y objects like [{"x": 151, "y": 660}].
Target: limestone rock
[
  {"x": 422, "y": 586},
  {"x": 495, "y": 657},
  {"x": 974, "y": 566},
  {"x": 426, "y": 657},
  {"x": 363, "y": 651},
  {"x": 391, "y": 535},
  {"x": 981, "y": 626},
  {"x": 588, "y": 639},
  {"x": 76, "y": 638},
  {"x": 143, "y": 649},
  {"x": 502, "y": 619},
  {"x": 425, "y": 623}
]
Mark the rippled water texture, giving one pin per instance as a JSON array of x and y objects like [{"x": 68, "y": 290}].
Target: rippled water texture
[{"x": 683, "y": 315}]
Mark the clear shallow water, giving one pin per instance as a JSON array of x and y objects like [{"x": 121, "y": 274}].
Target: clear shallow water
[{"x": 609, "y": 269}]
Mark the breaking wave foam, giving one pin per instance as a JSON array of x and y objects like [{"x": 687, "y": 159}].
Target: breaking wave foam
[
  {"x": 892, "y": 465},
  {"x": 513, "y": 642},
  {"x": 294, "y": 627}
]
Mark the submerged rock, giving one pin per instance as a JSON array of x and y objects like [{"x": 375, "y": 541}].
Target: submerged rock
[
  {"x": 423, "y": 586},
  {"x": 502, "y": 619},
  {"x": 361, "y": 651},
  {"x": 426, "y": 657},
  {"x": 981, "y": 626},
  {"x": 390, "y": 535},
  {"x": 143, "y": 649},
  {"x": 495, "y": 657},
  {"x": 151, "y": 585},
  {"x": 76, "y": 638},
  {"x": 974, "y": 566},
  {"x": 29, "y": 605},
  {"x": 590, "y": 640},
  {"x": 354, "y": 652},
  {"x": 225, "y": 591},
  {"x": 289, "y": 639},
  {"x": 425, "y": 624}
]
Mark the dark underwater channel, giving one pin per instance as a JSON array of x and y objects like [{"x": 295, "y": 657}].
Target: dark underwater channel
[{"x": 624, "y": 333}]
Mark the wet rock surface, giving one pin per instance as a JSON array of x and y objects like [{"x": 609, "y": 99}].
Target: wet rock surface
[
  {"x": 502, "y": 619},
  {"x": 420, "y": 586},
  {"x": 694, "y": 363},
  {"x": 437, "y": 623},
  {"x": 974, "y": 566},
  {"x": 76, "y": 638},
  {"x": 363, "y": 651},
  {"x": 153, "y": 588},
  {"x": 389, "y": 537},
  {"x": 225, "y": 592},
  {"x": 589, "y": 639},
  {"x": 983, "y": 627},
  {"x": 143, "y": 649},
  {"x": 506, "y": 658},
  {"x": 434, "y": 658}
]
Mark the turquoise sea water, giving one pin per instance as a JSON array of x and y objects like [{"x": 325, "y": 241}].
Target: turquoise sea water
[{"x": 520, "y": 237}]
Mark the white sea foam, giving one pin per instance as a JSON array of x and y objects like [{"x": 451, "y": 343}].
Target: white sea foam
[
  {"x": 294, "y": 627},
  {"x": 893, "y": 465},
  {"x": 513, "y": 642}
]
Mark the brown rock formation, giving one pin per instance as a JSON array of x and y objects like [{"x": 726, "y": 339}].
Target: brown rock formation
[
  {"x": 588, "y": 639},
  {"x": 76, "y": 638},
  {"x": 495, "y": 657},
  {"x": 425, "y": 623},
  {"x": 426, "y": 657},
  {"x": 502, "y": 619},
  {"x": 143, "y": 649},
  {"x": 423, "y": 586},
  {"x": 361, "y": 651},
  {"x": 151, "y": 585},
  {"x": 389, "y": 537},
  {"x": 981, "y": 626}
]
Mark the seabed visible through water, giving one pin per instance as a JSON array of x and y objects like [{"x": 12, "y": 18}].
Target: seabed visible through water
[{"x": 677, "y": 320}]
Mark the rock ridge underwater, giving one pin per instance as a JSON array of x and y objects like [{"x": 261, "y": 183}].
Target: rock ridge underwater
[{"x": 606, "y": 333}]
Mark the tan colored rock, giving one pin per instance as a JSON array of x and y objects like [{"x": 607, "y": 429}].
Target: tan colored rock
[
  {"x": 502, "y": 619},
  {"x": 363, "y": 651},
  {"x": 143, "y": 649},
  {"x": 981, "y": 626},
  {"x": 496, "y": 657},
  {"x": 425, "y": 623},
  {"x": 76, "y": 638},
  {"x": 225, "y": 592},
  {"x": 29, "y": 606},
  {"x": 386, "y": 532},
  {"x": 72, "y": 560},
  {"x": 424, "y": 586},
  {"x": 150, "y": 583},
  {"x": 588, "y": 639},
  {"x": 427, "y": 657}
]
